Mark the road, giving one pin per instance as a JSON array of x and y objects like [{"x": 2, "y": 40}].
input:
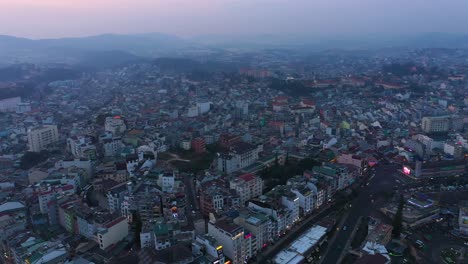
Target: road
[
  {"x": 382, "y": 182},
  {"x": 291, "y": 235},
  {"x": 192, "y": 201}
]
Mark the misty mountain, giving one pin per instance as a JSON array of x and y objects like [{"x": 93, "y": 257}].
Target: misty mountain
[
  {"x": 304, "y": 42},
  {"x": 81, "y": 50},
  {"x": 112, "y": 50}
]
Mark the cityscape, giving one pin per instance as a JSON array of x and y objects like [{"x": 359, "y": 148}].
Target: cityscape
[{"x": 149, "y": 148}]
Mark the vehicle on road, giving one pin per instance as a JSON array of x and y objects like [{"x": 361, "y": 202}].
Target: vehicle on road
[
  {"x": 345, "y": 228},
  {"x": 419, "y": 244}
]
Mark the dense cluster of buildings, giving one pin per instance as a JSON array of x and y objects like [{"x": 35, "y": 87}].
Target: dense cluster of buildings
[{"x": 114, "y": 159}]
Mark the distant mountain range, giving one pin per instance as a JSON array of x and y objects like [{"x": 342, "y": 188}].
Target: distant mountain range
[
  {"x": 117, "y": 48},
  {"x": 113, "y": 49}
]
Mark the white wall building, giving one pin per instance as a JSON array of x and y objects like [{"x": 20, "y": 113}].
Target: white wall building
[
  {"x": 41, "y": 137},
  {"x": 247, "y": 186},
  {"x": 115, "y": 125},
  {"x": 112, "y": 233},
  {"x": 231, "y": 237},
  {"x": 9, "y": 104}
]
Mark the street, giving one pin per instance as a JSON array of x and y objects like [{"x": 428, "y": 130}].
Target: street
[{"x": 362, "y": 205}]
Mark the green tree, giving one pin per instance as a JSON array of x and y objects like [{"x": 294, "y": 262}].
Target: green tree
[
  {"x": 31, "y": 159},
  {"x": 137, "y": 226},
  {"x": 398, "y": 219}
]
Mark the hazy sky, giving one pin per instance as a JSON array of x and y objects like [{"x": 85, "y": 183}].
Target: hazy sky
[{"x": 59, "y": 18}]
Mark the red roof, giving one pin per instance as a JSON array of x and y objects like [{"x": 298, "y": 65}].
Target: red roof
[
  {"x": 247, "y": 177},
  {"x": 114, "y": 222}
]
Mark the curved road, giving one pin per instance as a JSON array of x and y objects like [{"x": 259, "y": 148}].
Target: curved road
[{"x": 362, "y": 206}]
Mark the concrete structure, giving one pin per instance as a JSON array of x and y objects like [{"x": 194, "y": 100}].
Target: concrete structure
[
  {"x": 209, "y": 246},
  {"x": 112, "y": 233},
  {"x": 41, "y": 137},
  {"x": 198, "y": 145},
  {"x": 115, "y": 125},
  {"x": 238, "y": 156},
  {"x": 441, "y": 124},
  {"x": 9, "y": 104},
  {"x": 82, "y": 147},
  {"x": 298, "y": 250},
  {"x": 112, "y": 146},
  {"x": 231, "y": 237},
  {"x": 463, "y": 218},
  {"x": 257, "y": 224},
  {"x": 247, "y": 186}
]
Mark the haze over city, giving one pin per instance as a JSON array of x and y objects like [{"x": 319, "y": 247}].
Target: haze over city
[
  {"x": 233, "y": 131},
  {"x": 186, "y": 18}
]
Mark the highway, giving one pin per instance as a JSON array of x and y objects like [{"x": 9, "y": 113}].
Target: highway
[{"x": 361, "y": 207}]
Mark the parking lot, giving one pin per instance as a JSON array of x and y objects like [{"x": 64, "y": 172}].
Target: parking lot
[{"x": 436, "y": 238}]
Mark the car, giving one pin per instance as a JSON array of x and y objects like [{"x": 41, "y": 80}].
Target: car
[
  {"x": 345, "y": 228},
  {"x": 466, "y": 244},
  {"x": 419, "y": 244}
]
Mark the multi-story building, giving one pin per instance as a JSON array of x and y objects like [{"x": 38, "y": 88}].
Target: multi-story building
[
  {"x": 40, "y": 138},
  {"x": 9, "y": 104},
  {"x": 79, "y": 163},
  {"x": 441, "y": 168},
  {"x": 198, "y": 145},
  {"x": 306, "y": 199},
  {"x": 238, "y": 156},
  {"x": 82, "y": 147},
  {"x": 247, "y": 186},
  {"x": 338, "y": 175},
  {"x": 463, "y": 218},
  {"x": 454, "y": 149},
  {"x": 231, "y": 237},
  {"x": 45, "y": 196},
  {"x": 112, "y": 146},
  {"x": 115, "y": 196},
  {"x": 437, "y": 124},
  {"x": 12, "y": 219},
  {"x": 257, "y": 224},
  {"x": 167, "y": 181},
  {"x": 112, "y": 232},
  {"x": 116, "y": 171},
  {"x": 115, "y": 125},
  {"x": 209, "y": 246},
  {"x": 281, "y": 204},
  {"x": 147, "y": 204},
  {"x": 215, "y": 197}
]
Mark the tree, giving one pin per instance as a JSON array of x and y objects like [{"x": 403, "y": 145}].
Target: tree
[
  {"x": 31, "y": 159},
  {"x": 398, "y": 219},
  {"x": 137, "y": 224}
]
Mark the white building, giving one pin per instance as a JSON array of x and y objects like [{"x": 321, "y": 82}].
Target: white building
[
  {"x": 22, "y": 108},
  {"x": 463, "y": 218},
  {"x": 112, "y": 146},
  {"x": 291, "y": 201},
  {"x": 79, "y": 163},
  {"x": 81, "y": 147},
  {"x": 167, "y": 182},
  {"x": 146, "y": 240},
  {"x": 41, "y": 137},
  {"x": 247, "y": 186},
  {"x": 306, "y": 199},
  {"x": 9, "y": 104},
  {"x": 204, "y": 106},
  {"x": 185, "y": 144},
  {"x": 208, "y": 246},
  {"x": 112, "y": 233},
  {"x": 115, "y": 125},
  {"x": 239, "y": 156},
  {"x": 192, "y": 111},
  {"x": 231, "y": 237}
]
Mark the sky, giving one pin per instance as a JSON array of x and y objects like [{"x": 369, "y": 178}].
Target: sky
[{"x": 187, "y": 18}]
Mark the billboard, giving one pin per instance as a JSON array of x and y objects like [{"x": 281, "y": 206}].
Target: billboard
[{"x": 406, "y": 170}]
